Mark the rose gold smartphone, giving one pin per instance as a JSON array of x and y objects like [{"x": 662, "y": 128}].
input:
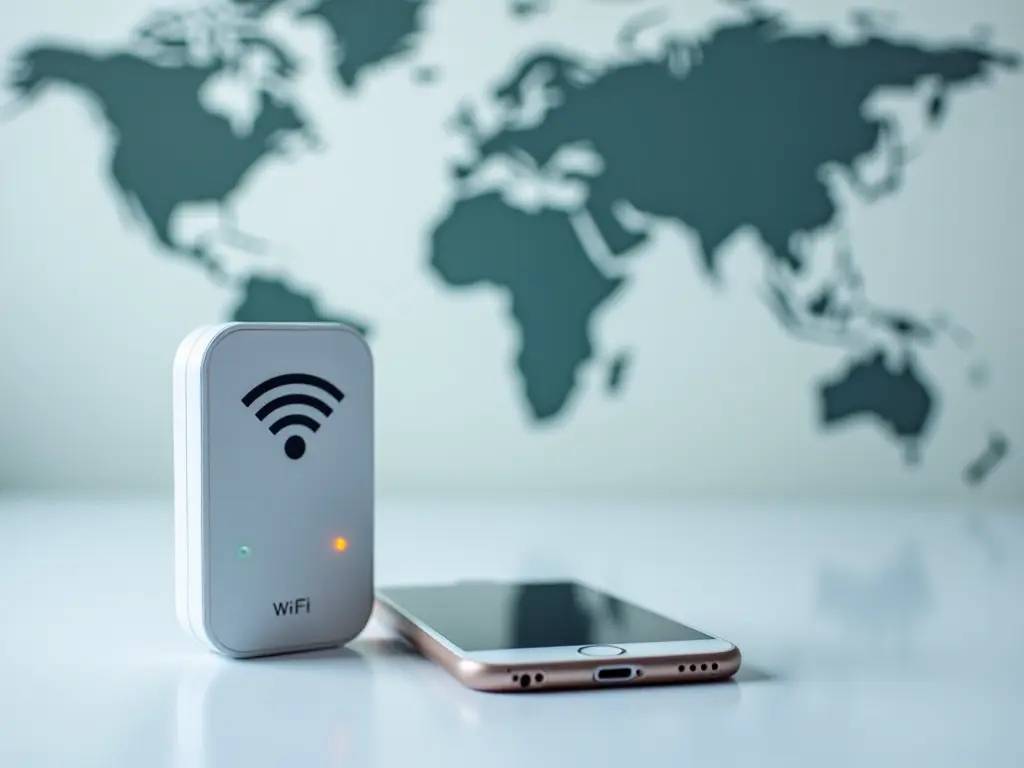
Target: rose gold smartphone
[{"x": 517, "y": 637}]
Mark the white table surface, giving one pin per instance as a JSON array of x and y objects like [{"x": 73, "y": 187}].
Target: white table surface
[{"x": 871, "y": 636}]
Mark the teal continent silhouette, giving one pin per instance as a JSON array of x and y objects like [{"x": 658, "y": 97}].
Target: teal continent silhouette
[
  {"x": 721, "y": 134},
  {"x": 555, "y": 287},
  {"x": 270, "y": 300},
  {"x": 897, "y": 398},
  {"x": 169, "y": 150},
  {"x": 368, "y": 32},
  {"x": 364, "y": 33}
]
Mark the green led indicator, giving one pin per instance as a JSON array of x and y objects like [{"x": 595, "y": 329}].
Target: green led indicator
[{"x": 243, "y": 552}]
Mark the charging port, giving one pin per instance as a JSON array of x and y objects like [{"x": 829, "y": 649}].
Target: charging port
[{"x": 610, "y": 674}]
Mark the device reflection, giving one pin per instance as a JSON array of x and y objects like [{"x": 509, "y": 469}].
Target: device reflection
[
  {"x": 556, "y": 614},
  {"x": 549, "y": 614},
  {"x": 309, "y": 710},
  {"x": 894, "y": 599}
]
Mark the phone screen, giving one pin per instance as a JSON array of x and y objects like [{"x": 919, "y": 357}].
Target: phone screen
[{"x": 493, "y": 616}]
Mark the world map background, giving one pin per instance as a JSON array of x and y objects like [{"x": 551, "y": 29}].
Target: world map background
[{"x": 508, "y": 234}]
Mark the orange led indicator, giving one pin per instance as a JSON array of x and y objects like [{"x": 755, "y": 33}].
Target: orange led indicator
[{"x": 340, "y": 544}]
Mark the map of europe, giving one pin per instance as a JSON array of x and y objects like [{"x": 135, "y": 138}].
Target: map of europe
[{"x": 724, "y": 133}]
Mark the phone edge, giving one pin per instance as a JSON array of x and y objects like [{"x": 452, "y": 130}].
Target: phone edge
[{"x": 561, "y": 675}]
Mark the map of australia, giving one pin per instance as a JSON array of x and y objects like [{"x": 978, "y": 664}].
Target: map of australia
[{"x": 736, "y": 130}]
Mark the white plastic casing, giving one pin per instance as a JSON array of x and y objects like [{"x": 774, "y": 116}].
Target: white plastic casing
[{"x": 273, "y": 486}]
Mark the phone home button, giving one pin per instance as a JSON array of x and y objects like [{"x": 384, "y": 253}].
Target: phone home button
[{"x": 601, "y": 650}]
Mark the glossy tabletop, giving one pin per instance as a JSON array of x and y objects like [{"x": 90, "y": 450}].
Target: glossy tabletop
[{"x": 884, "y": 635}]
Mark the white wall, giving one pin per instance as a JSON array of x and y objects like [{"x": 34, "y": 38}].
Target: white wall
[{"x": 719, "y": 398}]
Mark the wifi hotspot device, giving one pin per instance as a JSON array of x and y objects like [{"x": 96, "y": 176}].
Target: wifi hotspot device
[{"x": 273, "y": 486}]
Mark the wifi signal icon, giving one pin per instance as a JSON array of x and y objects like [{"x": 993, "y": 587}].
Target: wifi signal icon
[{"x": 295, "y": 445}]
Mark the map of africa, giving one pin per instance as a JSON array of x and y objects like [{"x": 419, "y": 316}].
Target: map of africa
[{"x": 727, "y": 132}]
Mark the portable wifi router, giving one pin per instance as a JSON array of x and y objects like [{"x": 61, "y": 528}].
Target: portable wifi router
[{"x": 273, "y": 486}]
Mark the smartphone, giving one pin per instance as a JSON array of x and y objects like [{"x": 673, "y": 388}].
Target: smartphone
[{"x": 517, "y": 637}]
